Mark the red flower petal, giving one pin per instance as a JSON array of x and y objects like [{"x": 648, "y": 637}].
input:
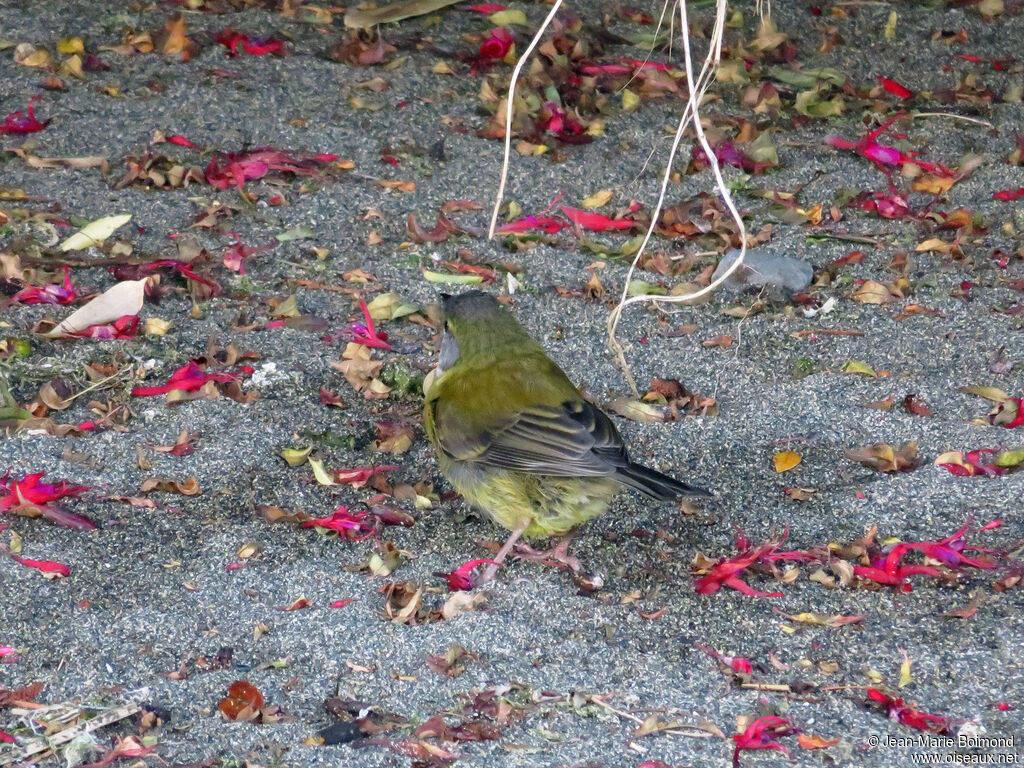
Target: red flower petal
[
  {"x": 1008, "y": 195},
  {"x": 124, "y": 327},
  {"x": 353, "y": 526},
  {"x": 63, "y": 293},
  {"x": 755, "y": 736},
  {"x": 497, "y": 45},
  {"x": 188, "y": 378},
  {"x": 595, "y": 221},
  {"x": 19, "y": 122},
  {"x": 910, "y": 716},
  {"x": 895, "y": 88},
  {"x": 46, "y": 566},
  {"x": 462, "y": 577},
  {"x": 547, "y": 224}
]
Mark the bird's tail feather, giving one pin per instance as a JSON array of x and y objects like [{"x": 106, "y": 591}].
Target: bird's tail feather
[{"x": 657, "y": 486}]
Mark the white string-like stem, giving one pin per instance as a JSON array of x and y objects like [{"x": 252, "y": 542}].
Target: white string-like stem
[
  {"x": 654, "y": 43},
  {"x": 697, "y": 87},
  {"x": 509, "y": 111},
  {"x": 951, "y": 116}
]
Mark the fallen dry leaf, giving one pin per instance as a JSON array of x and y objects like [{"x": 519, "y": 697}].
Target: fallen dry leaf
[
  {"x": 786, "y": 460},
  {"x": 882, "y": 457}
]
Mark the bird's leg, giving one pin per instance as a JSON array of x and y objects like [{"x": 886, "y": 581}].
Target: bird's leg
[
  {"x": 558, "y": 556},
  {"x": 502, "y": 553}
]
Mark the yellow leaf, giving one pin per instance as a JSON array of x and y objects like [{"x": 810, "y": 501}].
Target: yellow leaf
[
  {"x": 72, "y": 66},
  {"x": 28, "y": 55},
  {"x": 990, "y": 8},
  {"x": 597, "y": 199},
  {"x": 71, "y": 45},
  {"x": 934, "y": 244},
  {"x": 95, "y": 232},
  {"x": 530, "y": 149},
  {"x": 124, "y": 298},
  {"x": 786, "y": 460},
  {"x": 905, "y": 676},
  {"x": 401, "y": 186},
  {"x": 768, "y": 36},
  {"x": 955, "y": 458},
  {"x": 442, "y": 68},
  {"x": 872, "y": 292},
  {"x": 856, "y": 366},
  {"x": 156, "y": 326},
  {"x": 815, "y": 742},
  {"x": 247, "y": 551},
  {"x": 630, "y": 100},
  {"x": 508, "y": 17},
  {"x": 934, "y": 185},
  {"x": 890, "y": 25},
  {"x": 177, "y": 41},
  {"x": 994, "y": 394},
  {"x": 637, "y": 410},
  {"x": 320, "y": 473},
  {"x": 296, "y": 456}
]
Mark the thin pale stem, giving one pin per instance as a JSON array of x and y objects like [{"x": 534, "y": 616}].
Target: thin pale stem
[
  {"x": 509, "y": 109},
  {"x": 951, "y": 116},
  {"x": 697, "y": 87}
]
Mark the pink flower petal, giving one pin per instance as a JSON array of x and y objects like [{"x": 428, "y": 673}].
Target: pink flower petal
[
  {"x": 895, "y": 88},
  {"x": 19, "y": 122},
  {"x": 46, "y": 566}
]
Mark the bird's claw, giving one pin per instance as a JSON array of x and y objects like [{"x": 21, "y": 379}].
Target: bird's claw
[{"x": 556, "y": 557}]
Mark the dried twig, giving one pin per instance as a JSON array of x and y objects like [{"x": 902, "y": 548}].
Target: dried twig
[
  {"x": 510, "y": 106},
  {"x": 697, "y": 731},
  {"x": 697, "y": 87},
  {"x": 37, "y": 746}
]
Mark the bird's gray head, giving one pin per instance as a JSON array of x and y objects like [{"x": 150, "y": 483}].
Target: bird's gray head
[
  {"x": 475, "y": 323},
  {"x": 470, "y": 306}
]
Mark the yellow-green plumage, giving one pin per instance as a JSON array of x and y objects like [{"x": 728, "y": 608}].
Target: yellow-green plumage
[{"x": 515, "y": 437}]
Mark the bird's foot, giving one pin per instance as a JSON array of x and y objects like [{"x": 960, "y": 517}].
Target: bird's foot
[
  {"x": 556, "y": 557},
  {"x": 489, "y": 573},
  {"x": 499, "y": 556}
]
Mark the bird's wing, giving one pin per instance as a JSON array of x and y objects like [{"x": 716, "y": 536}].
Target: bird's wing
[{"x": 572, "y": 439}]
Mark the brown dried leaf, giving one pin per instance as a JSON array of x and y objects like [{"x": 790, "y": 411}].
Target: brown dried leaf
[
  {"x": 55, "y": 394},
  {"x": 882, "y": 457},
  {"x": 881, "y": 405},
  {"x": 403, "y": 601},
  {"x": 916, "y": 407},
  {"x": 462, "y": 602},
  {"x": 172, "y": 39},
  {"x": 189, "y": 487},
  {"x": 872, "y": 292},
  {"x": 452, "y": 664}
]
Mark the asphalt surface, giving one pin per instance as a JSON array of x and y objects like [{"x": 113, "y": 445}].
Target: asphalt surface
[{"x": 151, "y": 600}]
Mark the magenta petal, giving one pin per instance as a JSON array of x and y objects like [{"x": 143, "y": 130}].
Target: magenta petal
[
  {"x": 67, "y": 519},
  {"x": 882, "y": 154},
  {"x": 741, "y": 586},
  {"x": 840, "y": 143}
]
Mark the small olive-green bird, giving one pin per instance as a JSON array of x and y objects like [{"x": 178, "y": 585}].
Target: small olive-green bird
[{"x": 515, "y": 437}]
